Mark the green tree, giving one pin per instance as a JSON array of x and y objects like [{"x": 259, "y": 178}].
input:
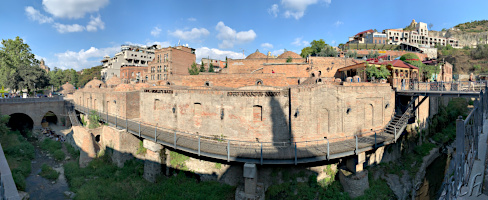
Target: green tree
[
  {"x": 89, "y": 74},
  {"x": 15, "y": 54},
  {"x": 383, "y": 72},
  {"x": 202, "y": 67},
  {"x": 225, "y": 61},
  {"x": 210, "y": 68},
  {"x": 352, "y": 54},
  {"x": 306, "y": 51},
  {"x": 318, "y": 45},
  {"x": 289, "y": 59},
  {"x": 373, "y": 54},
  {"x": 193, "y": 70},
  {"x": 371, "y": 70}
]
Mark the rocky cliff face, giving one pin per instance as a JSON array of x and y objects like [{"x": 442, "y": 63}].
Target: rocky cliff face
[{"x": 465, "y": 38}]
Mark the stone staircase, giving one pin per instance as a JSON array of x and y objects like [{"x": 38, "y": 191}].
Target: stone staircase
[{"x": 398, "y": 124}]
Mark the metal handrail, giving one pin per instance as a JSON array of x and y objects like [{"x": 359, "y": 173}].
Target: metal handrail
[
  {"x": 325, "y": 148},
  {"x": 26, "y": 100}
]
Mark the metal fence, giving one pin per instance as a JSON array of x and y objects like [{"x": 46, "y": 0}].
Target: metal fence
[
  {"x": 467, "y": 139},
  {"x": 458, "y": 86},
  {"x": 31, "y": 100},
  {"x": 285, "y": 152}
]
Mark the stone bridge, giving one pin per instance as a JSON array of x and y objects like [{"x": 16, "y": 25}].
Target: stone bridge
[{"x": 35, "y": 109}]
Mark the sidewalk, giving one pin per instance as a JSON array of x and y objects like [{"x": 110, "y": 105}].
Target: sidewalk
[{"x": 478, "y": 168}]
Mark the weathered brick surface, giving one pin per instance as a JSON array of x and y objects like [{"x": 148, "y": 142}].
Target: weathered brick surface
[
  {"x": 102, "y": 99},
  {"x": 36, "y": 111},
  {"x": 315, "y": 112},
  {"x": 177, "y": 61},
  {"x": 392, "y": 54}
]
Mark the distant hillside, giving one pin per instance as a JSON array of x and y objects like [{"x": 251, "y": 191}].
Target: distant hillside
[
  {"x": 474, "y": 26},
  {"x": 469, "y": 34}
]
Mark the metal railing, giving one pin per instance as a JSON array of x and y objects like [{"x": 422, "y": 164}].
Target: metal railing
[
  {"x": 467, "y": 141},
  {"x": 283, "y": 152},
  {"x": 31, "y": 100},
  {"x": 456, "y": 86}
]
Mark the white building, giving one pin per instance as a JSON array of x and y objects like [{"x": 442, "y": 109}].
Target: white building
[
  {"x": 129, "y": 55},
  {"x": 420, "y": 36}
]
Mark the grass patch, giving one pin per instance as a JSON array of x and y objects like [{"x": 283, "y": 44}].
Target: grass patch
[
  {"x": 178, "y": 160},
  {"x": 50, "y": 145},
  {"x": 141, "y": 150},
  {"x": 48, "y": 172},
  {"x": 59, "y": 155},
  {"x": 18, "y": 153},
  {"x": 218, "y": 166},
  {"x": 72, "y": 151},
  {"x": 103, "y": 180}
]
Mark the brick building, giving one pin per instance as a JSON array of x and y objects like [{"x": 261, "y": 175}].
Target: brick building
[
  {"x": 132, "y": 73},
  {"x": 168, "y": 62}
]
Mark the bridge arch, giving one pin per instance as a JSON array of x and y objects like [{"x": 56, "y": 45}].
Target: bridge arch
[
  {"x": 50, "y": 117},
  {"x": 20, "y": 122}
]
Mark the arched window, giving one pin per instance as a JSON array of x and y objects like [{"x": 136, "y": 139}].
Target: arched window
[{"x": 259, "y": 82}]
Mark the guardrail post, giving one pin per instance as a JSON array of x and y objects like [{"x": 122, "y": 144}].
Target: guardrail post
[
  {"x": 155, "y": 132},
  {"x": 295, "y": 153},
  {"x": 261, "y": 153},
  {"x": 356, "y": 144},
  {"x": 139, "y": 128},
  {"x": 328, "y": 155},
  {"x": 126, "y": 124},
  {"x": 116, "y": 121},
  {"x": 198, "y": 145},
  {"x": 228, "y": 150},
  {"x": 175, "y": 139}
]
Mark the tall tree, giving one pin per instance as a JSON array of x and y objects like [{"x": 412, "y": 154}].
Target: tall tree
[
  {"x": 193, "y": 70},
  {"x": 14, "y": 54}
]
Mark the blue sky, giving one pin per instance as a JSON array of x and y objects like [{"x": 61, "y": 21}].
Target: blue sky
[{"x": 77, "y": 34}]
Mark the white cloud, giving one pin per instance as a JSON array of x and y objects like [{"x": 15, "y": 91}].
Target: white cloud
[
  {"x": 230, "y": 36},
  {"x": 72, "y": 9},
  {"x": 155, "y": 32},
  {"x": 333, "y": 42},
  {"x": 274, "y": 10},
  {"x": 192, "y": 35},
  {"x": 35, "y": 15},
  {"x": 82, "y": 59},
  {"x": 95, "y": 24},
  {"x": 68, "y": 28},
  {"x": 297, "y": 8},
  {"x": 338, "y": 23},
  {"x": 267, "y": 45},
  {"x": 204, "y": 52},
  {"x": 300, "y": 42},
  {"x": 191, "y": 19}
]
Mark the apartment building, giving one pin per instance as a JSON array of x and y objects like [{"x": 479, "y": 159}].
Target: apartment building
[
  {"x": 170, "y": 61},
  {"x": 416, "y": 34},
  {"x": 129, "y": 55}
]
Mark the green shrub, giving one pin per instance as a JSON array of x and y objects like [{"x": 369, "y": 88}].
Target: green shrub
[
  {"x": 218, "y": 166},
  {"x": 59, "y": 155},
  {"x": 48, "y": 172},
  {"x": 72, "y": 151},
  {"x": 94, "y": 119},
  {"x": 50, "y": 145},
  {"x": 141, "y": 150},
  {"x": 178, "y": 160},
  {"x": 19, "y": 180}
]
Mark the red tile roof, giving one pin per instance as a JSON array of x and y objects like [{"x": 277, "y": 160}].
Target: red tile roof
[
  {"x": 400, "y": 64},
  {"x": 367, "y": 31}
]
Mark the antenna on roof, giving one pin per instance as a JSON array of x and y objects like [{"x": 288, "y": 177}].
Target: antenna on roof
[{"x": 178, "y": 42}]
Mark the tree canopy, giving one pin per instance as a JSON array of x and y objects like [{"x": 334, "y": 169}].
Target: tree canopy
[
  {"x": 319, "y": 48},
  {"x": 88, "y": 75},
  {"x": 19, "y": 69},
  {"x": 193, "y": 70}
]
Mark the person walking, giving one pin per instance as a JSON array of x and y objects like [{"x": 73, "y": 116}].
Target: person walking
[{"x": 471, "y": 81}]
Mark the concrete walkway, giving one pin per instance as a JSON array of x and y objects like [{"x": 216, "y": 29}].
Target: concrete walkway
[
  {"x": 478, "y": 168},
  {"x": 6, "y": 177}
]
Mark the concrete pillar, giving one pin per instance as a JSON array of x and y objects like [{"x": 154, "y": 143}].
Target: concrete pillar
[
  {"x": 355, "y": 163},
  {"x": 250, "y": 180},
  {"x": 154, "y": 158}
]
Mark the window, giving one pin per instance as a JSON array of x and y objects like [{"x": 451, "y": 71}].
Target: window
[
  {"x": 257, "y": 113},
  {"x": 165, "y": 68},
  {"x": 157, "y": 104},
  {"x": 165, "y": 57},
  {"x": 197, "y": 109}
]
